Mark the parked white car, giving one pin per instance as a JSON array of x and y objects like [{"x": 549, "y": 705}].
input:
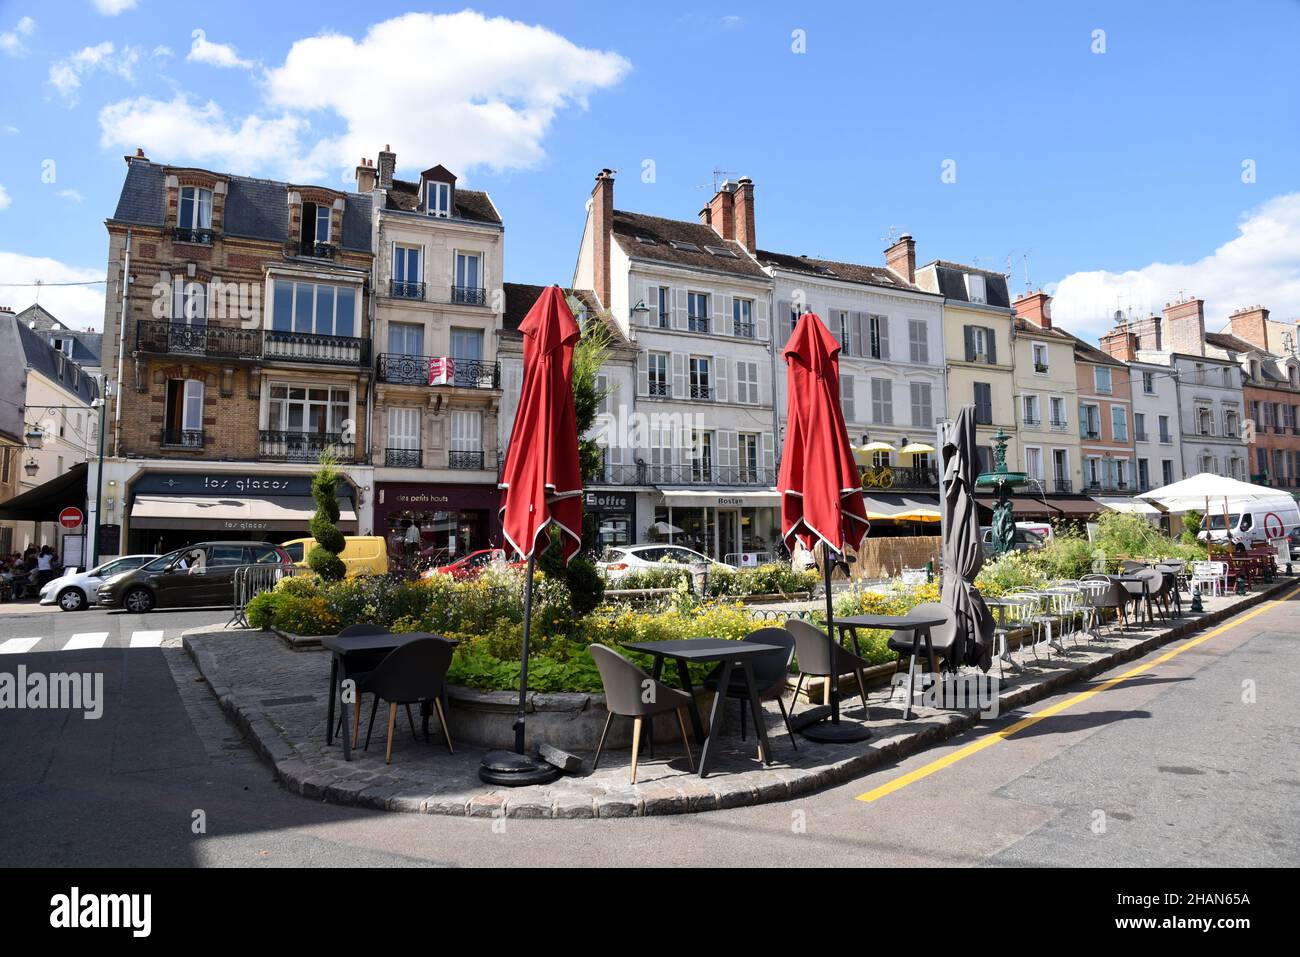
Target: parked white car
[
  {"x": 74, "y": 591},
  {"x": 620, "y": 561}
]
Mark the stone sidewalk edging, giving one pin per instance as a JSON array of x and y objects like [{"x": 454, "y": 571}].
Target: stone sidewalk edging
[{"x": 580, "y": 796}]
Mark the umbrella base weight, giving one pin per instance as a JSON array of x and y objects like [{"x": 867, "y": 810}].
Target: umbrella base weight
[
  {"x": 511, "y": 770},
  {"x": 828, "y": 732}
]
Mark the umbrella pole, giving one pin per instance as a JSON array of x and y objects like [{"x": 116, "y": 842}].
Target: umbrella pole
[
  {"x": 523, "y": 664},
  {"x": 514, "y": 768},
  {"x": 828, "y": 568},
  {"x": 834, "y": 731}
]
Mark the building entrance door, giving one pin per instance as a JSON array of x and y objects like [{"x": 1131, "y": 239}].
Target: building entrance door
[{"x": 728, "y": 542}]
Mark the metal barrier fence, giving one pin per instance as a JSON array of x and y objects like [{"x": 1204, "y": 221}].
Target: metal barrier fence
[{"x": 250, "y": 581}]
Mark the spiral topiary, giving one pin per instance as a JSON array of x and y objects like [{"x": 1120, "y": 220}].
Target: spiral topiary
[{"x": 324, "y": 558}]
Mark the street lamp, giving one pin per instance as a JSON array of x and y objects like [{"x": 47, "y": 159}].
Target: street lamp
[
  {"x": 31, "y": 468},
  {"x": 35, "y": 437}
]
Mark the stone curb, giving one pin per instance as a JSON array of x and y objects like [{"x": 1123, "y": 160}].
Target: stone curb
[{"x": 691, "y": 795}]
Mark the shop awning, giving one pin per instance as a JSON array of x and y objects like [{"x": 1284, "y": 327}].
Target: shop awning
[
  {"x": 1129, "y": 505},
  {"x": 1023, "y": 506},
  {"x": 746, "y": 498},
  {"x": 210, "y": 513},
  {"x": 899, "y": 507},
  {"x": 1075, "y": 506},
  {"x": 47, "y": 500}
]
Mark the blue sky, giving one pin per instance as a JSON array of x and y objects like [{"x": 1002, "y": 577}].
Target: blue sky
[{"x": 1115, "y": 177}]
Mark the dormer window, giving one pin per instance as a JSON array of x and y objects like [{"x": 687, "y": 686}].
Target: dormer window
[
  {"x": 315, "y": 232},
  {"x": 975, "y": 288},
  {"x": 437, "y": 198},
  {"x": 194, "y": 215}
]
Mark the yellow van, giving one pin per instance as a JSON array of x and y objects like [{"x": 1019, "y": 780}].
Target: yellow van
[{"x": 362, "y": 554}]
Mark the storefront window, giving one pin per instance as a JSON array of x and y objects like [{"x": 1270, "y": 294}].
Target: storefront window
[{"x": 435, "y": 537}]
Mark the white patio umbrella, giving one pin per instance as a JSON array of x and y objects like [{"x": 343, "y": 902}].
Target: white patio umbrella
[{"x": 1192, "y": 493}]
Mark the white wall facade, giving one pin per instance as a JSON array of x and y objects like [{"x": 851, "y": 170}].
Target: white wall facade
[{"x": 1157, "y": 426}]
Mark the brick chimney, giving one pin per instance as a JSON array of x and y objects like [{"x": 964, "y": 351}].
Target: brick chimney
[
  {"x": 722, "y": 211},
  {"x": 1119, "y": 344},
  {"x": 1251, "y": 323},
  {"x": 1035, "y": 308},
  {"x": 900, "y": 258},
  {"x": 387, "y": 166},
  {"x": 1184, "y": 326},
  {"x": 744, "y": 205},
  {"x": 365, "y": 176},
  {"x": 137, "y": 155},
  {"x": 602, "y": 225},
  {"x": 706, "y": 216}
]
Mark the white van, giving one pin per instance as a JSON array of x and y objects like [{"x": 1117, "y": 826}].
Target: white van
[{"x": 1255, "y": 523}]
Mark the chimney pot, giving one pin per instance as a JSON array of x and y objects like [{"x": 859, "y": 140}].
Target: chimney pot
[
  {"x": 387, "y": 167},
  {"x": 602, "y": 226},
  {"x": 900, "y": 258}
]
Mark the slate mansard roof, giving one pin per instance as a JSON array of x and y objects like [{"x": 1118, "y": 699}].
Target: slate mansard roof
[{"x": 653, "y": 237}]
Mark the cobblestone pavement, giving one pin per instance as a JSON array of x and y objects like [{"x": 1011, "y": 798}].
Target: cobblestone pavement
[{"x": 278, "y": 698}]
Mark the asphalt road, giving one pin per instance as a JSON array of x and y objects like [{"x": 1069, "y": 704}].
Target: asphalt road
[{"x": 1191, "y": 762}]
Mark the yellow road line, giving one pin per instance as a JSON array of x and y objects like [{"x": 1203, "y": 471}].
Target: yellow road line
[{"x": 998, "y": 736}]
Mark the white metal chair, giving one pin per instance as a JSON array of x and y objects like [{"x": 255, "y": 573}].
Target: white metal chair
[
  {"x": 1211, "y": 575},
  {"x": 1033, "y": 615},
  {"x": 1091, "y": 594}
]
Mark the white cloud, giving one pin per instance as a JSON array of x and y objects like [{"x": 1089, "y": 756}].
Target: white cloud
[
  {"x": 111, "y": 8},
  {"x": 71, "y": 194},
  {"x": 1260, "y": 265},
  {"x": 180, "y": 131},
  {"x": 11, "y": 129},
  {"x": 161, "y": 51},
  {"x": 4, "y": 197},
  {"x": 77, "y": 306},
  {"x": 223, "y": 55},
  {"x": 11, "y": 41},
  {"x": 66, "y": 74},
  {"x": 487, "y": 99}
]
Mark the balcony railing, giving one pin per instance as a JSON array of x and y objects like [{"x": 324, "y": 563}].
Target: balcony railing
[
  {"x": 303, "y": 446},
  {"x": 1107, "y": 485},
  {"x": 404, "y": 458},
  {"x": 229, "y": 342},
  {"x": 469, "y": 295},
  {"x": 1062, "y": 486},
  {"x": 1140, "y": 436},
  {"x": 182, "y": 438},
  {"x": 400, "y": 289},
  {"x": 891, "y": 477},
  {"x": 697, "y": 324},
  {"x": 1040, "y": 368},
  {"x": 460, "y": 459},
  {"x": 701, "y": 392},
  {"x": 315, "y": 250},
  {"x": 1060, "y": 425},
  {"x": 743, "y": 330},
  {"x": 402, "y": 369},
  {"x": 1033, "y": 421},
  {"x": 185, "y": 234},
  {"x": 1090, "y": 434},
  {"x": 659, "y": 389}
]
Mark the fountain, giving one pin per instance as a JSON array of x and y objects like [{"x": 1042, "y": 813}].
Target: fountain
[{"x": 1003, "y": 484}]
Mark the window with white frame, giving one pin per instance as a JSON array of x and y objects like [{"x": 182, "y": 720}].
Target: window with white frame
[
  {"x": 195, "y": 210},
  {"x": 975, "y": 288},
  {"x": 1230, "y": 422},
  {"x": 1034, "y": 462},
  {"x": 1040, "y": 358},
  {"x": 437, "y": 198},
  {"x": 1061, "y": 469},
  {"x": 702, "y": 456},
  {"x": 747, "y": 383},
  {"x": 1030, "y": 411},
  {"x": 747, "y": 448},
  {"x": 1090, "y": 421},
  {"x": 1166, "y": 471},
  {"x": 1059, "y": 416},
  {"x": 1092, "y": 469},
  {"x": 878, "y": 346},
  {"x": 190, "y": 302},
  {"x": 407, "y": 275},
  {"x": 469, "y": 278},
  {"x": 663, "y": 307},
  {"x": 1149, "y": 383},
  {"x": 404, "y": 428},
  {"x": 466, "y": 446},
  {"x": 310, "y": 307},
  {"x": 184, "y": 411},
  {"x": 657, "y": 372},
  {"x": 317, "y": 410},
  {"x": 701, "y": 368},
  {"x": 742, "y": 318},
  {"x": 1140, "y": 426},
  {"x": 697, "y": 311}
]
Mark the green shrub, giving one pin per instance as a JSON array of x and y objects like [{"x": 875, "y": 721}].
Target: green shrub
[
  {"x": 260, "y": 610},
  {"x": 324, "y": 558}
]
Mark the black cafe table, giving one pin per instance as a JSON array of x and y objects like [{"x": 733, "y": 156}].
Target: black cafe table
[
  {"x": 918, "y": 625},
  {"x": 343, "y": 647},
  {"x": 731, "y": 654},
  {"x": 1146, "y": 591}
]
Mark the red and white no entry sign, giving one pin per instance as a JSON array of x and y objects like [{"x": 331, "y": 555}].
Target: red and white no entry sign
[{"x": 71, "y": 517}]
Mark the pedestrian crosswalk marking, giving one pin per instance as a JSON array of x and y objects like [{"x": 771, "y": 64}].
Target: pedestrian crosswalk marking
[
  {"x": 86, "y": 639},
  {"x": 16, "y": 646},
  {"x": 146, "y": 639}
]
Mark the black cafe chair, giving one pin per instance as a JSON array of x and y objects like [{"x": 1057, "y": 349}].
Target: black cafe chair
[
  {"x": 626, "y": 688},
  {"x": 357, "y": 666},
  {"x": 771, "y": 672},
  {"x": 812, "y": 654},
  {"x": 414, "y": 673},
  {"x": 943, "y": 638}
]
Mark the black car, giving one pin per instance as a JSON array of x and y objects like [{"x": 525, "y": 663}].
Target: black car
[{"x": 190, "y": 577}]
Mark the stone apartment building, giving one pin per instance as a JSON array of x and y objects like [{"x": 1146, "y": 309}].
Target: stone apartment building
[
  {"x": 1045, "y": 384},
  {"x": 891, "y": 368},
  {"x": 1209, "y": 387},
  {"x": 1156, "y": 437},
  {"x": 438, "y": 280},
  {"x": 696, "y": 303},
  {"x": 1105, "y": 404},
  {"x": 1270, "y": 371},
  {"x": 237, "y": 337}
]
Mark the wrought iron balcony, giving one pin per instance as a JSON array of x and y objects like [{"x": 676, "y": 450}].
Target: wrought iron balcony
[
  {"x": 1033, "y": 421},
  {"x": 697, "y": 324},
  {"x": 404, "y": 458},
  {"x": 701, "y": 391},
  {"x": 316, "y": 250},
  {"x": 460, "y": 459},
  {"x": 469, "y": 295},
  {"x": 1040, "y": 368},
  {"x": 1060, "y": 425},
  {"x": 743, "y": 330},
  {"x": 888, "y": 477},
  {"x": 401, "y": 289},
  {"x": 400, "y": 369},
  {"x": 182, "y": 438},
  {"x": 1094, "y": 435},
  {"x": 303, "y": 446},
  {"x": 1062, "y": 486},
  {"x": 659, "y": 389},
  {"x": 1140, "y": 436},
  {"x": 197, "y": 339},
  {"x": 186, "y": 234}
]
